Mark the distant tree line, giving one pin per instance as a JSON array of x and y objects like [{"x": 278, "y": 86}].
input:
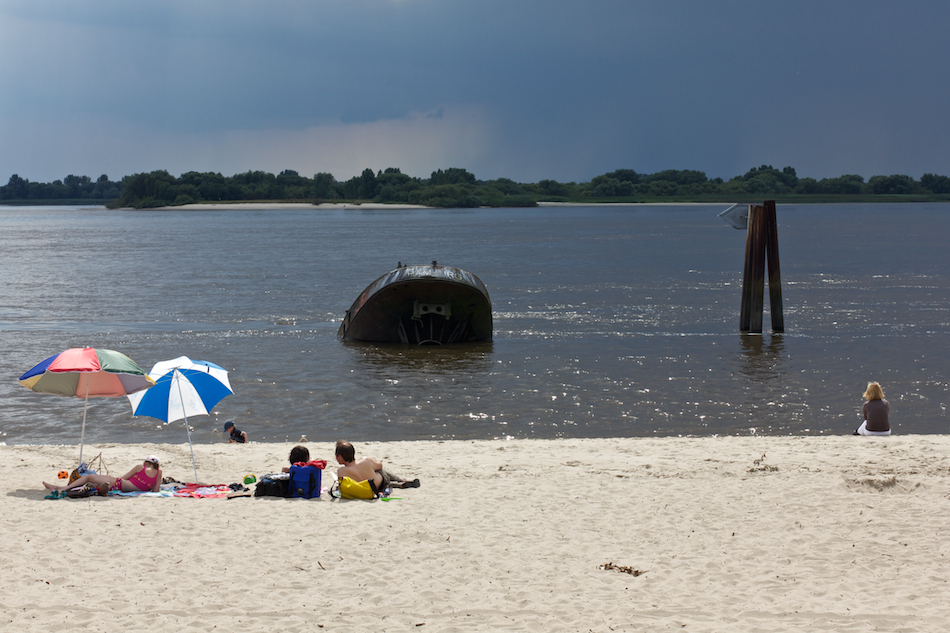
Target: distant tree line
[
  {"x": 69, "y": 188},
  {"x": 455, "y": 187},
  {"x": 450, "y": 188},
  {"x": 764, "y": 180}
]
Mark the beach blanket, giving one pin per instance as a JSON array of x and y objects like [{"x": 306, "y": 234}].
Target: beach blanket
[
  {"x": 203, "y": 491},
  {"x": 139, "y": 493},
  {"x": 197, "y": 491}
]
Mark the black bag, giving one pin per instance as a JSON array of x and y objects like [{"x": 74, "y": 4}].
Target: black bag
[
  {"x": 268, "y": 487},
  {"x": 305, "y": 481}
]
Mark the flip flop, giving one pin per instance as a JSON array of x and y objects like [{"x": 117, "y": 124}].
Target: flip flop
[{"x": 53, "y": 494}]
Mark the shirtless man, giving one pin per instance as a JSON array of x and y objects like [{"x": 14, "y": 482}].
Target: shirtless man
[{"x": 367, "y": 469}]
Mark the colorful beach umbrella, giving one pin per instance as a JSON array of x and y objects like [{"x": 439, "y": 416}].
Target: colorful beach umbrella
[
  {"x": 87, "y": 373},
  {"x": 183, "y": 387}
]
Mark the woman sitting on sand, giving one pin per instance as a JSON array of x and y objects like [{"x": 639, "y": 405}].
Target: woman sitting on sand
[
  {"x": 298, "y": 455},
  {"x": 144, "y": 478},
  {"x": 874, "y": 412}
]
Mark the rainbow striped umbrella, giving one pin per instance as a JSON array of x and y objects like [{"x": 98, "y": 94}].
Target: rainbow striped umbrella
[{"x": 87, "y": 373}]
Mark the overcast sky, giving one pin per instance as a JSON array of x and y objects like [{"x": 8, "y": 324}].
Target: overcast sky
[{"x": 525, "y": 89}]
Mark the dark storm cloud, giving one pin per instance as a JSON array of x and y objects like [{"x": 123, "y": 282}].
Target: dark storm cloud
[{"x": 529, "y": 90}]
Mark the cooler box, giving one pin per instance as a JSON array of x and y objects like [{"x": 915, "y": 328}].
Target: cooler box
[{"x": 305, "y": 481}]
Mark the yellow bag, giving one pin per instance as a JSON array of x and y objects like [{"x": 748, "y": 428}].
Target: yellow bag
[{"x": 350, "y": 489}]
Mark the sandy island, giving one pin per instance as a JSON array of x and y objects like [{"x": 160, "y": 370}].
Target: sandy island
[
  {"x": 377, "y": 206},
  {"x": 712, "y": 534},
  {"x": 237, "y": 206}
]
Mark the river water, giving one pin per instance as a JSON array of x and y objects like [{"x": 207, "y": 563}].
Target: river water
[{"x": 609, "y": 321}]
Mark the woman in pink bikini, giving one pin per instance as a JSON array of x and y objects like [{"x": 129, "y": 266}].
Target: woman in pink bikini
[{"x": 144, "y": 478}]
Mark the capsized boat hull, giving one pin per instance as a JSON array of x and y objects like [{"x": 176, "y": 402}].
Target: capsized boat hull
[{"x": 421, "y": 305}]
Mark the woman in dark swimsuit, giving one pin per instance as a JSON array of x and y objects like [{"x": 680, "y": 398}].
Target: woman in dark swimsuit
[{"x": 144, "y": 478}]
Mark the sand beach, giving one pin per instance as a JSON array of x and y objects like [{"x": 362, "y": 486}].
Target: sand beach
[
  {"x": 271, "y": 206},
  {"x": 695, "y": 534}
]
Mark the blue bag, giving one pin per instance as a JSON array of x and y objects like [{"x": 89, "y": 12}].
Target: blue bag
[{"x": 305, "y": 481}]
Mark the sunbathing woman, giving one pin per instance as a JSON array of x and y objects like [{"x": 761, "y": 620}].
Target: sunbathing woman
[{"x": 144, "y": 478}]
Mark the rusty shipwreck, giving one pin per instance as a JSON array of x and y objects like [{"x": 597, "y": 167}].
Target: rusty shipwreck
[{"x": 421, "y": 305}]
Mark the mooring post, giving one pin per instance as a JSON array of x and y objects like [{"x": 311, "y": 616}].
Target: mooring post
[
  {"x": 775, "y": 278},
  {"x": 761, "y": 242},
  {"x": 753, "y": 275}
]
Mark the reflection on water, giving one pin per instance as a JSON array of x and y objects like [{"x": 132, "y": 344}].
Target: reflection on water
[
  {"x": 421, "y": 390},
  {"x": 391, "y": 361},
  {"x": 763, "y": 356}
]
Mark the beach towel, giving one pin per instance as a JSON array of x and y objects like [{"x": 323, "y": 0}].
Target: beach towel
[
  {"x": 316, "y": 463},
  {"x": 140, "y": 493},
  {"x": 203, "y": 491}
]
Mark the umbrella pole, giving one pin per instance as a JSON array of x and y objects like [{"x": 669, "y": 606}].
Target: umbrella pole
[
  {"x": 82, "y": 436},
  {"x": 191, "y": 446},
  {"x": 187, "y": 428}
]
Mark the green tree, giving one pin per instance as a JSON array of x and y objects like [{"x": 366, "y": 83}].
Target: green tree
[
  {"x": 846, "y": 184},
  {"x": 394, "y": 186},
  {"x": 367, "y": 187},
  {"x": 935, "y": 184},
  {"x": 452, "y": 176},
  {"x": 661, "y": 188},
  {"x": 506, "y": 186},
  {"x": 624, "y": 175},
  {"x": 324, "y": 187},
  {"x": 553, "y": 188},
  {"x": 153, "y": 189},
  {"x": 676, "y": 176},
  {"x": 807, "y": 186},
  {"x": 894, "y": 184},
  {"x": 16, "y": 188},
  {"x": 351, "y": 188},
  {"x": 293, "y": 186},
  {"x": 212, "y": 186}
]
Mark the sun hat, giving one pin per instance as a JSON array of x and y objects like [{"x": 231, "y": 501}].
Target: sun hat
[
  {"x": 228, "y": 424},
  {"x": 153, "y": 459}
]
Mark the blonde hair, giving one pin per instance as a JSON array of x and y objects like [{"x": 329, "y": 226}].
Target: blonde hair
[{"x": 874, "y": 392}]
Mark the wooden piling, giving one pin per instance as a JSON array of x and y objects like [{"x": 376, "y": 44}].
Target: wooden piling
[
  {"x": 761, "y": 244},
  {"x": 775, "y": 278},
  {"x": 753, "y": 275}
]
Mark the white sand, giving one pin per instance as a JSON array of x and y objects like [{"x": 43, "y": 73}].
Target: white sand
[
  {"x": 820, "y": 534},
  {"x": 238, "y": 206}
]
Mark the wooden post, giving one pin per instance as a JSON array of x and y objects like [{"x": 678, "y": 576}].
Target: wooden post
[
  {"x": 753, "y": 274},
  {"x": 775, "y": 278},
  {"x": 761, "y": 241}
]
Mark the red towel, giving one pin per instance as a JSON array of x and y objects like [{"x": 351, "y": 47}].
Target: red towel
[{"x": 319, "y": 463}]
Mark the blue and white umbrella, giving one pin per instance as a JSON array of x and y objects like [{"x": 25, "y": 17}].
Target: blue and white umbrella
[{"x": 183, "y": 387}]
